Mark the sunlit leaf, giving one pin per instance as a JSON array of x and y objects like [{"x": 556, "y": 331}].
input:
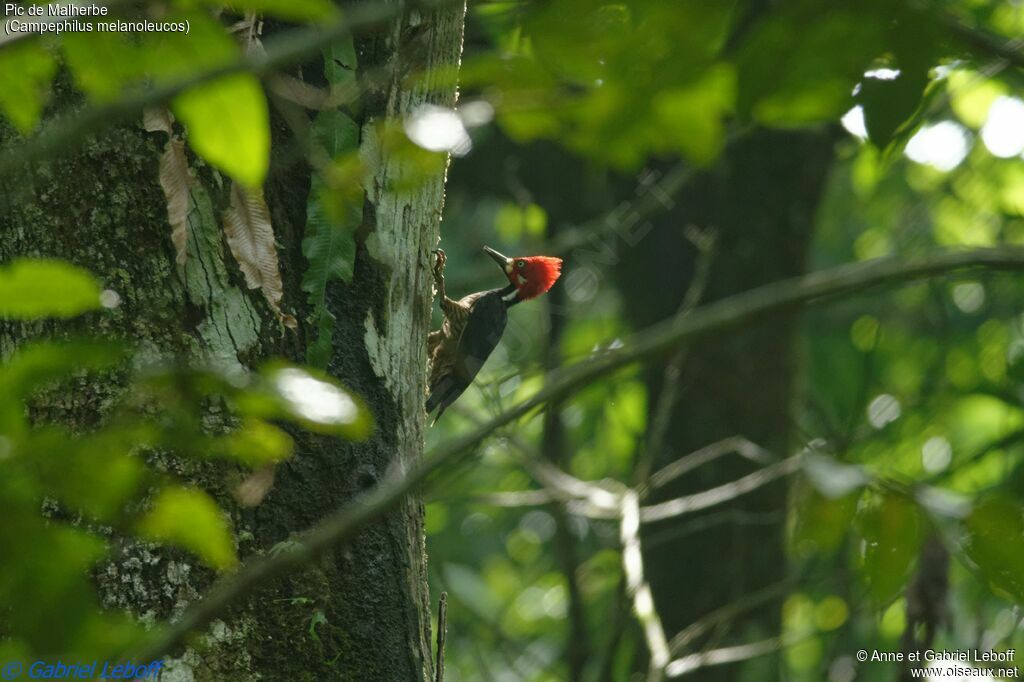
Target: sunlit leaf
[
  {"x": 256, "y": 443},
  {"x": 228, "y": 125},
  {"x": 188, "y": 518},
  {"x": 790, "y": 75},
  {"x": 38, "y": 288},
  {"x": 691, "y": 116},
  {"x": 91, "y": 473},
  {"x": 309, "y": 398},
  {"x": 102, "y": 63},
  {"x": 833, "y": 478},
  {"x": 26, "y": 69},
  {"x": 971, "y": 96}
]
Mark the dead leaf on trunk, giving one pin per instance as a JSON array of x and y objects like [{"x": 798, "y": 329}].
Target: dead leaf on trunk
[
  {"x": 250, "y": 236},
  {"x": 175, "y": 178}
]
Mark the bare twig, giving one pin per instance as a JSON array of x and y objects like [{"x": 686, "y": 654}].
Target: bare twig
[
  {"x": 716, "y": 318},
  {"x": 730, "y": 654},
  {"x": 638, "y": 588},
  {"x": 726, "y": 613},
  {"x": 707, "y": 454},
  {"x": 442, "y": 632},
  {"x": 719, "y": 494}
]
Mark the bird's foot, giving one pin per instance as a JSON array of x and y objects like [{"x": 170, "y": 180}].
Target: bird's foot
[{"x": 439, "y": 262}]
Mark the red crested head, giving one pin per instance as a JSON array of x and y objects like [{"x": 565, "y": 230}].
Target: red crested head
[{"x": 530, "y": 275}]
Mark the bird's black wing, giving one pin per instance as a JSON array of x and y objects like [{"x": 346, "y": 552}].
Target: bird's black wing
[{"x": 484, "y": 327}]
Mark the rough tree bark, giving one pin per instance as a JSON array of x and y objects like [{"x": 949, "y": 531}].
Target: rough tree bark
[{"x": 101, "y": 207}]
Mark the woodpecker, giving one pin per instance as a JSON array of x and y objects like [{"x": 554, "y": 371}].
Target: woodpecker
[{"x": 473, "y": 325}]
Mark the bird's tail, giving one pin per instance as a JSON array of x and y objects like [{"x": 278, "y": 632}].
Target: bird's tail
[{"x": 441, "y": 396}]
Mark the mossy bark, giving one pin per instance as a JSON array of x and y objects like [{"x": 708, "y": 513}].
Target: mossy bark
[{"x": 362, "y": 612}]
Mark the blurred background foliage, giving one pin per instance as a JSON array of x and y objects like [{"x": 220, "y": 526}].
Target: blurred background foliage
[
  {"x": 916, "y": 387},
  {"x": 615, "y": 135}
]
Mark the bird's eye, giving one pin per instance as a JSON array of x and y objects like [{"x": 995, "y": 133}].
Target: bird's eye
[{"x": 520, "y": 264}]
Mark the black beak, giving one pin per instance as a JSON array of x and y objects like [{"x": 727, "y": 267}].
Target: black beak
[{"x": 498, "y": 258}]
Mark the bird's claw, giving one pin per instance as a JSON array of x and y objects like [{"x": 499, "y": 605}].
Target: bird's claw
[{"x": 439, "y": 262}]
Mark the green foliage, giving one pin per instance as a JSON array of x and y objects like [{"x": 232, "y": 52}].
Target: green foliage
[
  {"x": 513, "y": 222},
  {"x": 995, "y": 543},
  {"x": 26, "y": 70},
  {"x": 91, "y": 483},
  {"x": 229, "y": 125},
  {"x": 622, "y": 85},
  {"x": 34, "y": 289},
  {"x": 335, "y": 203},
  {"x": 820, "y": 524},
  {"x": 190, "y": 519},
  {"x": 307, "y": 397},
  {"x": 890, "y": 528}
]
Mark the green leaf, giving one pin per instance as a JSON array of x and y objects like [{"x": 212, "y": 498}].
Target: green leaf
[
  {"x": 971, "y": 96},
  {"x": 32, "y": 289},
  {"x": 800, "y": 65},
  {"x": 335, "y": 206},
  {"x": 229, "y": 126},
  {"x": 820, "y": 523},
  {"x": 255, "y": 443},
  {"x": 309, "y": 398},
  {"x": 39, "y": 363},
  {"x": 890, "y": 527},
  {"x": 44, "y": 569},
  {"x": 102, "y": 63},
  {"x": 691, "y": 117},
  {"x": 105, "y": 64},
  {"x": 513, "y": 222},
  {"x": 95, "y": 474},
  {"x": 318, "y": 619},
  {"x": 995, "y": 543},
  {"x": 26, "y": 70},
  {"x": 190, "y": 519},
  {"x": 890, "y": 103}
]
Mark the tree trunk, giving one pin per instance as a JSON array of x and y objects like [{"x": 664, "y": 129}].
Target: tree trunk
[
  {"x": 761, "y": 201},
  {"x": 362, "y": 612}
]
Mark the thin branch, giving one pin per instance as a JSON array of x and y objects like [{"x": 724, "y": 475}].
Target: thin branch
[
  {"x": 734, "y": 516},
  {"x": 983, "y": 42},
  {"x": 726, "y": 613},
  {"x": 442, "y": 632},
  {"x": 638, "y": 588},
  {"x": 719, "y": 494},
  {"x": 713, "y": 319},
  {"x": 707, "y": 454},
  {"x": 729, "y": 654},
  {"x": 517, "y": 498}
]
